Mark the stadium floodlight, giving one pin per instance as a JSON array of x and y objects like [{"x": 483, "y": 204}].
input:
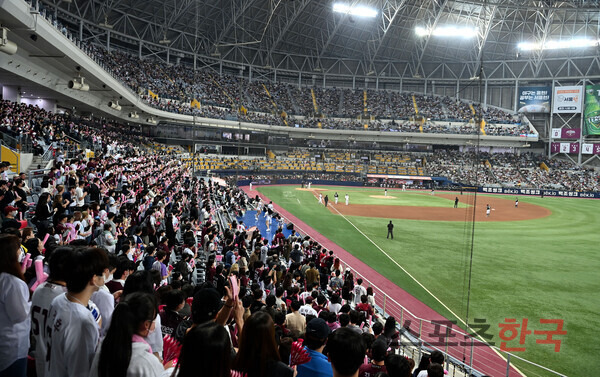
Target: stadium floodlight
[
  {"x": 114, "y": 105},
  {"x": 78, "y": 83},
  {"x": 557, "y": 45},
  {"x": 7, "y": 46},
  {"x": 448, "y": 31},
  {"x": 355, "y": 10}
]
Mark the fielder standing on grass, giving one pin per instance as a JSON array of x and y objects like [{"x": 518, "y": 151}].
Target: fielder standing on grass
[
  {"x": 385, "y": 192},
  {"x": 347, "y": 199},
  {"x": 336, "y": 196},
  {"x": 456, "y": 202},
  {"x": 390, "y": 227}
]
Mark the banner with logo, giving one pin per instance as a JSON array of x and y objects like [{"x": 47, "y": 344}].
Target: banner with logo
[
  {"x": 591, "y": 113},
  {"x": 566, "y": 133},
  {"x": 567, "y": 99},
  {"x": 534, "y": 99}
]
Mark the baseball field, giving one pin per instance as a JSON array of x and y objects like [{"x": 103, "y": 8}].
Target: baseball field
[{"x": 538, "y": 261}]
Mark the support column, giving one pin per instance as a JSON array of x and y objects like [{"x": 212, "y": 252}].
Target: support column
[
  {"x": 581, "y": 123},
  {"x": 457, "y": 89},
  {"x": 549, "y": 130},
  {"x": 140, "y": 50},
  {"x": 108, "y": 40},
  {"x": 81, "y": 31},
  {"x": 516, "y": 100},
  {"x": 485, "y": 94}
]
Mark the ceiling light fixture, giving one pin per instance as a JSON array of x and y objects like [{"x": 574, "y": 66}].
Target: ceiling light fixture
[
  {"x": 557, "y": 45},
  {"x": 355, "y": 10}
]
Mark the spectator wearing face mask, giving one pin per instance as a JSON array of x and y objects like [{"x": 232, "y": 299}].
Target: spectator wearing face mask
[
  {"x": 104, "y": 300},
  {"x": 72, "y": 332}
]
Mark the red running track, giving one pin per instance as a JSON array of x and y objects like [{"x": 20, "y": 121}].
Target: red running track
[{"x": 485, "y": 358}]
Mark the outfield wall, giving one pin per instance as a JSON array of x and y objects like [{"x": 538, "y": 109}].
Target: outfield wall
[
  {"x": 539, "y": 192},
  {"x": 486, "y": 190}
]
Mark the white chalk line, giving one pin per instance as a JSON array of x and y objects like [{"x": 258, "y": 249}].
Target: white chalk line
[
  {"x": 400, "y": 266},
  {"x": 421, "y": 285},
  {"x": 424, "y": 288}
]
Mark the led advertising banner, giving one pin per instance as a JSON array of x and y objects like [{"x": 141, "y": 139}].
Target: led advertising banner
[
  {"x": 534, "y": 99},
  {"x": 591, "y": 114},
  {"x": 567, "y": 99}
]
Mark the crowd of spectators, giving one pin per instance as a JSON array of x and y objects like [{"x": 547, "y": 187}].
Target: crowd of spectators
[
  {"x": 172, "y": 87},
  {"x": 127, "y": 255},
  {"x": 461, "y": 167},
  {"x": 512, "y": 170}
]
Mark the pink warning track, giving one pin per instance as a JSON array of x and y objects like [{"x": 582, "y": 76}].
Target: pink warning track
[{"x": 485, "y": 359}]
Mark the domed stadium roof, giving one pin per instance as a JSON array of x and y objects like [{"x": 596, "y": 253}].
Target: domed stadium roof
[{"x": 307, "y": 35}]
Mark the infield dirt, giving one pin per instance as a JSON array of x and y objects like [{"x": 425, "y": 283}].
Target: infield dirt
[{"x": 502, "y": 210}]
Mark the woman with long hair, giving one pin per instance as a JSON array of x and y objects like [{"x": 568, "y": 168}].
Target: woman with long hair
[
  {"x": 258, "y": 355},
  {"x": 124, "y": 352},
  {"x": 59, "y": 204},
  {"x": 43, "y": 214},
  {"x": 205, "y": 345},
  {"x": 337, "y": 266},
  {"x": 141, "y": 281},
  {"x": 14, "y": 309}
]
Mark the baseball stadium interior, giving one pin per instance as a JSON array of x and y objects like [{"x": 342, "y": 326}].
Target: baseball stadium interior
[{"x": 204, "y": 188}]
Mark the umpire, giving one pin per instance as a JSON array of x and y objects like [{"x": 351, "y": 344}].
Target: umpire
[{"x": 390, "y": 227}]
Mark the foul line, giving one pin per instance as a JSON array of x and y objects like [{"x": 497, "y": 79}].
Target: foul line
[
  {"x": 426, "y": 290},
  {"x": 402, "y": 268},
  {"x": 422, "y": 286}
]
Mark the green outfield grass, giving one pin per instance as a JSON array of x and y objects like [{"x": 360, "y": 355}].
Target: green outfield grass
[{"x": 547, "y": 268}]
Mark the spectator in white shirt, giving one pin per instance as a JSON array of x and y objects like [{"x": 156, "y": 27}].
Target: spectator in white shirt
[
  {"x": 42, "y": 299},
  {"x": 72, "y": 333},
  {"x": 14, "y": 310}
]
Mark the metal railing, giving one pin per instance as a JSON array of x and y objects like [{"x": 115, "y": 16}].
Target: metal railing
[
  {"x": 464, "y": 354},
  {"x": 20, "y": 143}
]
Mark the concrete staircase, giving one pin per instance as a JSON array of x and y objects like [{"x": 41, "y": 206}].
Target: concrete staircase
[{"x": 37, "y": 163}]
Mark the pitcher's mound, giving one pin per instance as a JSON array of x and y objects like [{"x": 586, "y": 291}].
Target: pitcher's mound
[{"x": 382, "y": 197}]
